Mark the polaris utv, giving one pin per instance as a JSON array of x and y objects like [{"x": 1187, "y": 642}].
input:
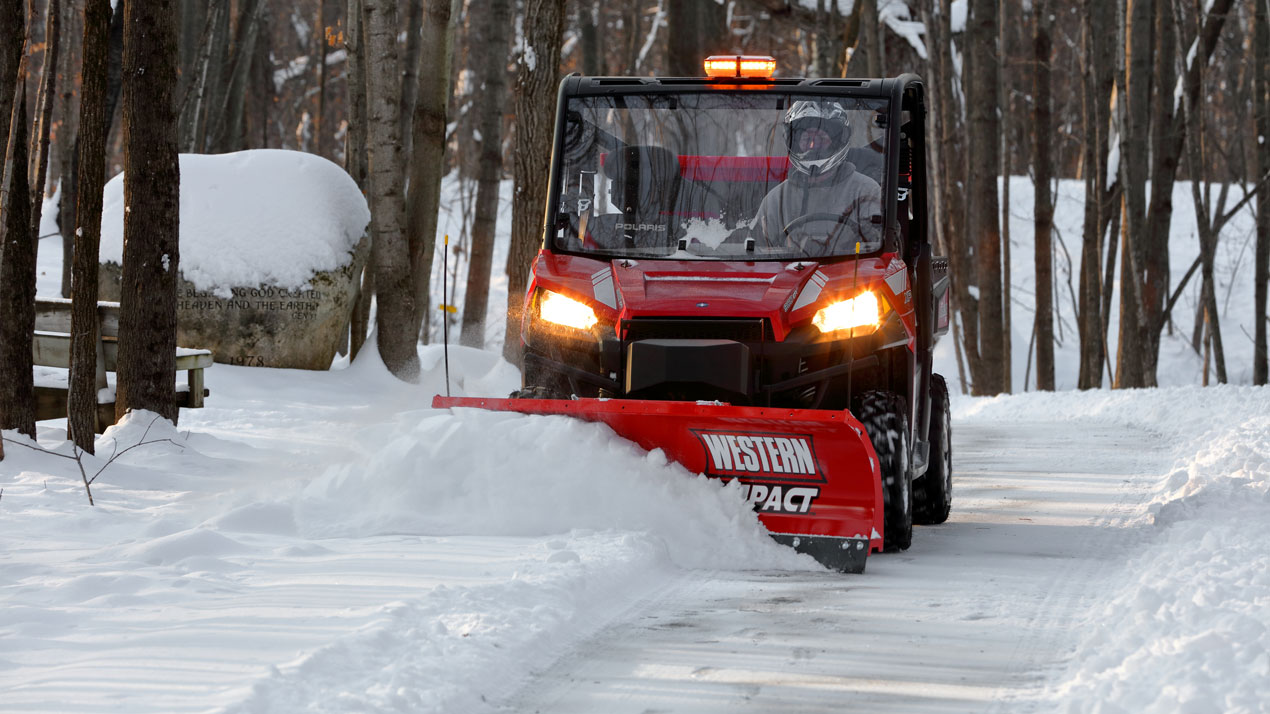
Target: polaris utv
[{"x": 737, "y": 269}]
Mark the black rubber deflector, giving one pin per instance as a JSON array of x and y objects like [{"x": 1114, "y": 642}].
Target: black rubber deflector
[{"x": 846, "y": 555}]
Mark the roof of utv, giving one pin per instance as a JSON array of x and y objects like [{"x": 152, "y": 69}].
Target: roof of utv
[{"x": 577, "y": 85}]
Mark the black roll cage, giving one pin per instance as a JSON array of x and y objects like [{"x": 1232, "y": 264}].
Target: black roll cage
[{"x": 906, "y": 87}]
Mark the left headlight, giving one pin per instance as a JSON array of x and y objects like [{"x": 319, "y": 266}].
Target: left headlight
[
  {"x": 861, "y": 314},
  {"x": 566, "y": 311}
]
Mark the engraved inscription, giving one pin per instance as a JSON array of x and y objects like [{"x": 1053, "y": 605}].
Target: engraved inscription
[{"x": 300, "y": 305}]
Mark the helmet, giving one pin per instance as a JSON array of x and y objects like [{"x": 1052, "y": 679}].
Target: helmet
[{"x": 832, "y": 121}]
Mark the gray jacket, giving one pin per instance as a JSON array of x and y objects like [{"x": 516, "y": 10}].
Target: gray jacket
[{"x": 847, "y": 201}]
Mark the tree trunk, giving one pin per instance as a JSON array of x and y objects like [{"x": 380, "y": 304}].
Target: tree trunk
[
  {"x": 535, "y": 104},
  {"x": 1130, "y": 363},
  {"x": 152, "y": 184},
  {"x": 589, "y": 34},
  {"x": 952, "y": 191},
  {"x": 17, "y": 274},
  {"x": 319, "y": 53},
  {"x": 1261, "y": 270},
  {"x": 395, "y": 320},
  {"x": 866, "y": 55},
  {"x": 1166, "y": 121},
  {"x": 1043, "y": 171},
  {"x": 67, "y": 137},
  {"x": 1098, "y": 83},
  {"x": 982, "y": 151},
  {"x": 355, "y": 159},
  {"x": 226, "y": 129},
  {"x": 693, "y": 32},
  {"x": 410, "y": 73},
  {"x": 490, "y": 106},
  {"x": 12, "y": 34},
  {"x": 82, "y": 397},
  {"x": 114, "y": 80},
  {"x": 1005, "y": 100},
  {"x": 201, "y": 90},
  {"x": 427, "y": 161},
  {"x": 44, "y": 116}
]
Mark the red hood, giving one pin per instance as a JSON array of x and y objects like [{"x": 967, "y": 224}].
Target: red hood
[{"x": 787, "y": 293}]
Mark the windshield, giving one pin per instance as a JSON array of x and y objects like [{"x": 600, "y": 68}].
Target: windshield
[{"x": 726, "y": 176}]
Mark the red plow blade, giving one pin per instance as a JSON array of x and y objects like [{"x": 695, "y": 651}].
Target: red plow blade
[{"x": 811, "y": 474}]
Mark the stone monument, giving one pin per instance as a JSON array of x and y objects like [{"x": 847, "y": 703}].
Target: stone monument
[{"x": 256, "y": 287}]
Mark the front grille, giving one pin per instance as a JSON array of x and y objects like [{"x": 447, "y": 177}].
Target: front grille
[{"x": 738, "y": 329}]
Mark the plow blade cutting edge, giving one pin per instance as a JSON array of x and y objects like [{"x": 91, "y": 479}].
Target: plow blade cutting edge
[{"x": 811, "y": 474}]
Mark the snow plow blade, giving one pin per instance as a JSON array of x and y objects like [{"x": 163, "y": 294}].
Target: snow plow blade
[{"x": 811, "y": 474}]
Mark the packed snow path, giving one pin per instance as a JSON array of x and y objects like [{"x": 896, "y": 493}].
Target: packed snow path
[
  {"x": 324, "y": 542},
  {"x": 974, "y": 616}
]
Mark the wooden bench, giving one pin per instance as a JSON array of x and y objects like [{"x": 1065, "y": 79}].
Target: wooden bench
[{"x": 52, "y": 357}]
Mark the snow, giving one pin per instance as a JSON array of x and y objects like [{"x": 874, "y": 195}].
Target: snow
[
  {"x": 261, "y": 217},
  {"x": 325, "y": 541}
]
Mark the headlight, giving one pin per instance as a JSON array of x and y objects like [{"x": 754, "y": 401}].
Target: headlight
[
  {"x": 562, "y": 310},
  {"x": 861, "y": 314}
]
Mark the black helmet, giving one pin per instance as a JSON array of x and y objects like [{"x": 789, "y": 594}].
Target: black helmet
[{"x": 828, "y": 117}]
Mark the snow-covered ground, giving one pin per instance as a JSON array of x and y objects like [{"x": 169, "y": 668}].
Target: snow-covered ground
[{"x": 324, "y": 541}]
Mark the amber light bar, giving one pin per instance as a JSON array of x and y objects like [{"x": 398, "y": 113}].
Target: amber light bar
[{"x": 740, "y": 66}]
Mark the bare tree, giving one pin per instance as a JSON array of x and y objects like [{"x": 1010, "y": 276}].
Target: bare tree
[
  {"x": 82, "y": 396},
  {"x": 44, "y": 115},
  {"x": 390, "y": 255},
  {"x": 1135, "y": 88},
  {"x": 427, "y": 160},
  {"x": 537, "y": 77},
  {"x": 1261, "y": 271},
  {"x": 12, "y": 34},
  {"x": 694, "y": 29},
  {"x": 355, "y": 159},
  {"x": 152, "y": 184},
  {"x": 1043, "y": 171},
  {"x": 495, "y": 23},
  {"x": 66, "y": 134},
  {"x": 17, "y": 274},
  {"x": 1098, "y": 81},
  {"x": 410, "y": 72},
  {"x": 983, "y": 231}
]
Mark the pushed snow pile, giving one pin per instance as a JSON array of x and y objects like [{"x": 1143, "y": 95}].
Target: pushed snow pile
[
  {"x": 261, "y": 217},
  {"x": 487, "y": 473},
  {"x": 1192, "y": 610}
]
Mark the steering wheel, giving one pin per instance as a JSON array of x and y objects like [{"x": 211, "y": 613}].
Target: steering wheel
[{"x": 836, "y": 218}]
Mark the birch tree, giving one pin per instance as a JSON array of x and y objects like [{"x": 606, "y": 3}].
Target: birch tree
[{"x": 390, "y": 256}]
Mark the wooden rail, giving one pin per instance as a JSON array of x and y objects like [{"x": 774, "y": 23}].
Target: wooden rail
[{"x": 52, "y": 349}]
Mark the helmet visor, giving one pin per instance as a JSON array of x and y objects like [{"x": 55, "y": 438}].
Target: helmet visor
[{"x": 816, "y": 138}]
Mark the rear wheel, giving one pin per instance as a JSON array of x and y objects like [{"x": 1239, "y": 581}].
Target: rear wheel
[
  {"x": 932, "y": 493},
  {"x": 885, "y": 419}
]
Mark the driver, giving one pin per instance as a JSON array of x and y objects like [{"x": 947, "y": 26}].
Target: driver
[{"x": 821, "y": 183}]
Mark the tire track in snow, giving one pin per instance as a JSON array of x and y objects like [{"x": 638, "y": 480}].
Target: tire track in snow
[{"x": 974, "y": 617}]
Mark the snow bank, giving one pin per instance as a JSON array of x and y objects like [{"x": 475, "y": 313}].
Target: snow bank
[
  {"x": 1188, "y": 626},
  {"x": 260, "y": 217},
  {"x": 439, "y": 473}
]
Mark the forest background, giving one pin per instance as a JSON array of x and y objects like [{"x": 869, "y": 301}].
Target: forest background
[{"x": 1131, "y": 98}]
